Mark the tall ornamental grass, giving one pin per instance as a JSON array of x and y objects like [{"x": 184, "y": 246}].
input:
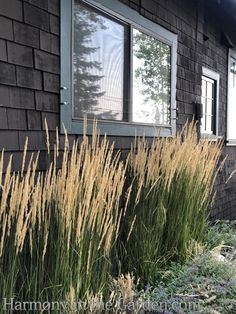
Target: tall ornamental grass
[
  {"x": 172, "y": 190},
  {"x": 57, "y": 229}
]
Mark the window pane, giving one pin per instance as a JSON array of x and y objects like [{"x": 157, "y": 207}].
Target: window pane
[
  {"x": 204, "y": 88},
  {"x": 232, "y": 101},
  {"x": 203, "y": 121},
  {"x": 151, "y": 79},
  {"x": 98, "y": 61},
  {"x": 208, "y": 124},
  {"x": 209, "y": 104},
  {"x": 210, "y": 86}
]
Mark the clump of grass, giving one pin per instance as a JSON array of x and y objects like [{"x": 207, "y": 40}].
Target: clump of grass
[
  {"x": 221, "y": 232},
  {"x": 172, "y": 191},
  {"x": 57, "y": 229}
]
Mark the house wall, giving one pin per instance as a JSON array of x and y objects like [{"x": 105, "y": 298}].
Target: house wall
[{"x": 29, "y": 76}]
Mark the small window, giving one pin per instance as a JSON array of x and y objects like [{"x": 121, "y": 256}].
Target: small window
[
  {"x": 231, "y": 108},
  {"x": 210, "y": 101},
  {"x": 118, "y": 67}
]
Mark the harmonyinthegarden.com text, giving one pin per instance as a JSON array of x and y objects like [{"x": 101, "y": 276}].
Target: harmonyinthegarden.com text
[{"x": 119, "y": 306}]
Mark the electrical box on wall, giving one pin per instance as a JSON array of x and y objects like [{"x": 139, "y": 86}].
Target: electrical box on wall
[{"x": 198, "y": 110}]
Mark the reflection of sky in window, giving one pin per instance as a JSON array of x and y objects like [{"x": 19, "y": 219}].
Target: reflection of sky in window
[
  {"x": 146, "y": 109},
  {"x": 109, "y": 41},
  {"x": 232, "y": 100}
]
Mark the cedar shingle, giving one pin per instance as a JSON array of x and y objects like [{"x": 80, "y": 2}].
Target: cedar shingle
[
  {"x": 3, "y": 50},
  {"x": 6, "y": 29},
  {"x": 16, "y": 119},
  {"x": 45, "y": 41},
  {"x": 26, "y": 34},
  {"x": 40, "y": 3},
  {"x": 9, "y": 140},
  {"x": 3, "y": 119},
  {"x": 36, "y": 16},
  {"x": 51, "y": 82},
  {"x": 54, "y": 24},
  {"x": 46, "y": 62},
  {"x": 4, "y": 96},
  {"x": 29, "y": 78},
  {"x": 12, "y": 9},
  {"x": 19, "y": 54},
  {"x": 37, "y": 140},
  {"x": 54, "y": 7},
  {"x": 34, "y": 120},
  {"x": 47, "y": 102},
  {"x": 21, "y": 98},
  {"x": 52, "y": 120},
  {"x": 7, "y": 74}
]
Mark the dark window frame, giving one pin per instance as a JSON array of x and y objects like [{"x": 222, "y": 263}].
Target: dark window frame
[{"x": 134, "y": 19}]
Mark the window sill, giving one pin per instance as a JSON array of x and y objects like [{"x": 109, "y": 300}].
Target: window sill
[
  {"x": 211, "y": 137},
  {"x": 113, "y": 128},
  {"x": 231, "y": 142}
]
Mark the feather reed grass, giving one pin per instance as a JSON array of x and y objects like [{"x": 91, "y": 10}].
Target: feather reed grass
[
  {"x": 57, "y": 229},
  {"x": 61, "y": 230},
  {"x": 172, "y": 191}
]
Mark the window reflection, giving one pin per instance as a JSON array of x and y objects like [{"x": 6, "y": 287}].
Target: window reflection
[
  {"x": 98, "y": 61},
  {"x": 151, "y": 79}
]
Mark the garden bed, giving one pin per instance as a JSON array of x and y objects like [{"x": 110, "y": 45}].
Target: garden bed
[{"x": 204, "y": 284}]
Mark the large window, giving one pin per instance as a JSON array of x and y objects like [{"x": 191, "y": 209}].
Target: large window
[
  {"x": 210, "y": 101},
  {"x": 117, "y": 67},
  {"x": 231, "y": 108}
]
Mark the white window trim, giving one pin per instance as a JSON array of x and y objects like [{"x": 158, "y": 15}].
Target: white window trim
[
  {"x": 216, "y": 77},
  {"x": 229, "y": 141},
  {"x": 125, "y": 13}
]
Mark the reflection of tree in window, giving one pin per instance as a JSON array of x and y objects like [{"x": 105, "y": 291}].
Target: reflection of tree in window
[
  {"x": 86, "y": 85},
  {"x": 151, "y": 78},
  {"x": 92, "y": 81}
]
